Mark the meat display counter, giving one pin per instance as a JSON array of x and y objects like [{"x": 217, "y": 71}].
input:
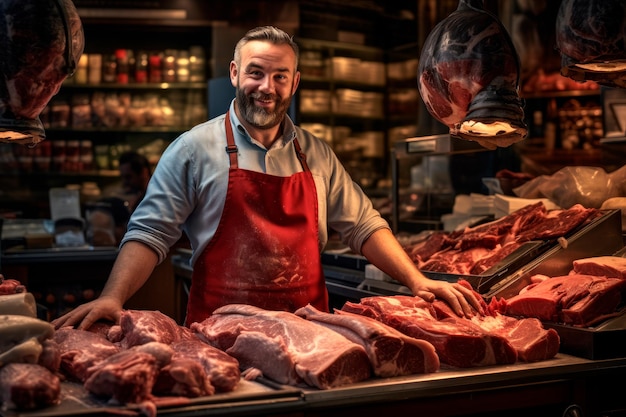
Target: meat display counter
[{"x": 565, "y": 386}]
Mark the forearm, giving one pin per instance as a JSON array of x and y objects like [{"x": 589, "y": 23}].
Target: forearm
[
  {"x": 384, "y": 251},
  {"x": 132, "y": 268}
]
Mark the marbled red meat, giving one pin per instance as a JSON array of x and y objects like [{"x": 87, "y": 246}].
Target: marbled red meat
[
  {"x": 80, "y": 350},
  {"x": 222, "y": 370},
  {"x": 142, "y": 326},
  {"x": 285, "y": 347},
  {"x": 129, "y": 375},
  {"x": 391, "y": 352},
  {"x": 607, "y": 266},
  {"x": 474, "y": 250},
  {"x": 574, "y": 299},
  {"x": 27, "y": 386},
  {"x": 457, "y": 341}
]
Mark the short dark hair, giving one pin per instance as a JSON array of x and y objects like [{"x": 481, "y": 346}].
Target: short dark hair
[
  {"x": 136, "y": 160},
  {"x": 270, "y": 34}
]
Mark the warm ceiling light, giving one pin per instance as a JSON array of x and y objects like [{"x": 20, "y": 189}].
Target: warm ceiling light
[
  {"x": 42, "y": 40},
  {"x": 591, "y": 36},
  {"x": 468, "y": 77}
]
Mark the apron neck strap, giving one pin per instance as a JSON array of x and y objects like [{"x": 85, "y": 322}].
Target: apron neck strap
[{"x": 231, "y": 148}]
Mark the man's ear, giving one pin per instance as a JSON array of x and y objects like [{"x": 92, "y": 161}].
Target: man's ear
[{"x": 233, "y": 73}]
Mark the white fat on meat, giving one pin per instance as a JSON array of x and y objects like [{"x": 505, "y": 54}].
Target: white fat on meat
[
  {"x": 21, "y": 304},
  {"x": 16, "y": 329}
]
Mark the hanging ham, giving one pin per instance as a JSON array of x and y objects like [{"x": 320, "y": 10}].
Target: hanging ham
[
  {"x": 590, "y": 34},
  {"x": 468, "y": 77},
  {"x": 41, "y": 42}
]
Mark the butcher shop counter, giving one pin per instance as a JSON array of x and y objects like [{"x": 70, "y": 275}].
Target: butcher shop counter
[{"x": 566, "y": 386}]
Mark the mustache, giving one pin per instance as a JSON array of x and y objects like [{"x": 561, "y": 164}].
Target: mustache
[{"x": 261, "y": 96}]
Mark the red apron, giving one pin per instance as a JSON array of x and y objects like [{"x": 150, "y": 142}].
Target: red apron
[{"x": 265, "y": 250}]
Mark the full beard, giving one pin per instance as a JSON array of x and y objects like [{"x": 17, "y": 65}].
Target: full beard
[{"x": 257, "y": 116}]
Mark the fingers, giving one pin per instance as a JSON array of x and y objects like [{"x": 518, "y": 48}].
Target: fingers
[{"x": 461, "y": 300}]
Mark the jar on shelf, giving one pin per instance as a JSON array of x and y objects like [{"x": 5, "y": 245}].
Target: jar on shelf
[
  {"x": 94, "y": 73},
  {"x": 122, "y": 74},
  {"x": 155, "y": 70},
  {"x": 169, "y": 66}
]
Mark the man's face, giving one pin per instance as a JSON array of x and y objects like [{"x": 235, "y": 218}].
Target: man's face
[{"x": 265, "y": 82}]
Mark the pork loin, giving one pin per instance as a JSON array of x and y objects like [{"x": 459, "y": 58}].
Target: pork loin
[
  {"x": 286, "y": 348},
  {"x": 391, "y": 352}
]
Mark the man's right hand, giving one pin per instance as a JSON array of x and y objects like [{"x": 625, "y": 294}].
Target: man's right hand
[{"x": 83, "y": 316}]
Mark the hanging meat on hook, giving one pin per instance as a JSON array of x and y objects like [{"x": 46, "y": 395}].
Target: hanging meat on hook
[
  {"x": 41, "y": 42},
  {"x": 590, "y": 34},
  {"x": 468, "y": 77}
]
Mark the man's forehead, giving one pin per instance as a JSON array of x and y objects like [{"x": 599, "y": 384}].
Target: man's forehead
[{"x": 267, "y": 52}]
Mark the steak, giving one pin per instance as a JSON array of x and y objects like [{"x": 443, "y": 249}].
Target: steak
[
  {"x": 391, "y": 353},
  {"x": 475, "y": 250},
  {"x": 531, "y": 341},
  {"x": 129, "y": 375},
  {"x": 458, "y": 342},
  {"x": 574, "y": 299},
  {"x": 27, "y": 386},
  {"x": 81, "y": 349},
  {"x": 138, "y": 327},
  {"x": 607, "y": 266},
  {"x": 285, "y": 347},
  {"x": 221, "y": 370}
]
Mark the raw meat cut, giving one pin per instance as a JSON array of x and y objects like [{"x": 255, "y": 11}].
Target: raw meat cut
[
  {"x": 142, "y": 326},
  {"x": 21, "y": 337},
  {"x": 468, "y": 75},
  {"x": 531, "y": 341},
  {"x": 198, "y": 369},
  {"x": 391, "y": 353},
  {"x": 27, "y": 386},
  {"x": 129, "y": 375},
  {"x": 22, "y": 304},
  {"x": 458, "y": 342},
  {"x": 42, "y": 42},
  {"x": 285, "y": 347},
  {"x": 10, "y": 286},
  {"x": 590, "y": 37},
  {"x": 81, "y": 349},
  {"x": 474, "y": 250},
  {"x": 574, "y": 299},
  {"x": 607, "y": 266}
]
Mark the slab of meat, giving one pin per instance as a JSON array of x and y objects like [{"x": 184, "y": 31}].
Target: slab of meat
[
  {"x": 142, "y": 326},
  {"x": 21, "y": 338},
  {"x": 391, "y": 352},
  {"x": 221, "y": 371},
  {"x": 129, "y": 375},
  {"x": 81, "y": 349},
  {"x": 285, "y": 347},
  {"x": 458, "y": 342},
  {"x": 531, "y": 341},
  {"x": 574, "y": 299},
  {"x": 607, "y": 266},
  {"x": 474, "y": 250},
  {"x": 10, "y": 286},
  {"x": 27, "y": 386}
]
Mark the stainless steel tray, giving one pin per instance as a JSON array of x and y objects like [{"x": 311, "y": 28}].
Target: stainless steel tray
[{"x": 601, "y": 237}]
